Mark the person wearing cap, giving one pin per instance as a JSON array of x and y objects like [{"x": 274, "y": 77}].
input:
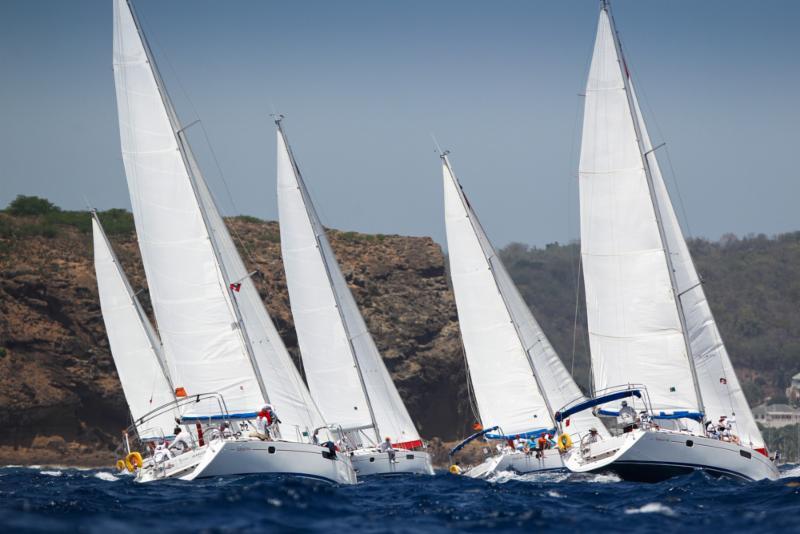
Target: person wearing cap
[
  {"x": 627, "y": 417},
  {"x": 182, "y": 442},
  {"x": 588, "y": 439},
  {"x": 386, "y": 447}
]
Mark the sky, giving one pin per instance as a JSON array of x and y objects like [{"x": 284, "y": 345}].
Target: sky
[{"x": 365, "y": 84}]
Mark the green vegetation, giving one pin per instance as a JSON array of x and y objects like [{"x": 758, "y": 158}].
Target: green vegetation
[
  {"x": 29, "y": 216},
  {"x": 752, "y": 284}
]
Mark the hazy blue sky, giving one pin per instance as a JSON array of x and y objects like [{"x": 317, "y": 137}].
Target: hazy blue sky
[{"x": 363, "y": 84}]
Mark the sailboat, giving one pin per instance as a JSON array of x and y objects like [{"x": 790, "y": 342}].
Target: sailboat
[
  {"x": 345, "y": 372},
  {"x": 654, "y": 342},
  {"x": 517, "y": 377},
  {"x": 225, "y": 359}
]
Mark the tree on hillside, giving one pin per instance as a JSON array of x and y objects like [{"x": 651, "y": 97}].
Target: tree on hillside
[{"x": 25, "y": 205}]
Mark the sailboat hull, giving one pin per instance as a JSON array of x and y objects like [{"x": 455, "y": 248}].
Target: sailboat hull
[
  {"x": 243, "y": 457},
  {"x": 370, "y": 462},
  {"x": 653, "y": 456},
  {"x": 518, "y": 462}
]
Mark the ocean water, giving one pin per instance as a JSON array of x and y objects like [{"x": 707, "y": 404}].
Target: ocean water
[{"x": 69, "y": 500}]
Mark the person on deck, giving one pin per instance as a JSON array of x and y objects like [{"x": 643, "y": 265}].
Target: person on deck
[
  {"x": 542, "y": 444},
  {"x": 386, "y": 447},
  {"x": 588, "y": 439},
  {"x": 266, "y": 423},
  {"x": 182, "y": 442},
  {"x": 627, "y": 417},
  {"x": 711, "y": 430},
  {"x": 161, "y": 453}
]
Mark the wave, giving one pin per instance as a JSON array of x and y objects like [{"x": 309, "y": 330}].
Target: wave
[
  {"x": 652, "y": 508},
  {"x": 105, "y": 475}
]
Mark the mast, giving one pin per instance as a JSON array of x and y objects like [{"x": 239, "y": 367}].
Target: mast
[
  {"x": 491, "y": 254},
  {"x": 155, "y": 344},
  {"x": 309, "y": 206},
  {"x": 605, "y": 6},
  {"x": 188, "y": 160}
]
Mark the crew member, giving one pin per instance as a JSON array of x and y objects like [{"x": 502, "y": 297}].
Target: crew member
[
  {"x": 588, "y": 439},
  {"x": 386, "y": 447},
  {"x": 627, "y": 417},
  {"x": 182, "y": 442}
]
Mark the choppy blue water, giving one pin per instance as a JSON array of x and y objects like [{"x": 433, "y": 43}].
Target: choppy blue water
[{"x": 49, "y": 499}]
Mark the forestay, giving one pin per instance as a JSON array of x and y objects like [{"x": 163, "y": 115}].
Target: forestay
[
  {"x": 345, "y": 371},
  {"x": 635, "y": 331},
  {"x": 135, "y": 347},
  {"x": 518, "y": 379},
  {"x": 215, "y": 343}
]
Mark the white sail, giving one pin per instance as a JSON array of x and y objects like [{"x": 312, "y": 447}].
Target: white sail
[
  {"x": 216, "y": 343},
  {"x": 345, "y": 371},
  {"x": 517, "y": 377},
  {"x": 135, "y": 347},
  {"x": 719, "y": 385},
  {"x": 635, "y": 329}
]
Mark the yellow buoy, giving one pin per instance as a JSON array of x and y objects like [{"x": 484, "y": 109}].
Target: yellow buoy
[
  {"x": 564, "y": 442},
  {"x": 133, "y": 461}
]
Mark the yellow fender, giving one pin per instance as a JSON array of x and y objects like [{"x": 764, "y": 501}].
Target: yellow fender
[
  {"x": 133, "y": 461},
  {"x": 121, "y": 465},
  {"x": 564, "y": 442}
]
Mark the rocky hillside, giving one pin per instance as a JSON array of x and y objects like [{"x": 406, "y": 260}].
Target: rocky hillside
[{"x": 60, "y": 398}]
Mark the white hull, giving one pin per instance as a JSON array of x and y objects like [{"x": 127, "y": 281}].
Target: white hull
[
  {"x": 652, "y": 456},
  {"x": 368, "y": 462},
  {"x": 241, "y": 457},
  {"x": 518, "y": 462}
]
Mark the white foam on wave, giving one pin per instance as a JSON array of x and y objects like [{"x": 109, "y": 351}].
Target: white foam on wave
[
  {"x": 556, "y": 495},
  {"x": 605, "y": 478},
  {"x": 51, "y": 473},
  {"x": 792, "y": 472},
  {"x": 104, "y": 475},
  {"x": 501, "y": 477},
  {"x": 652, "y": 508}
]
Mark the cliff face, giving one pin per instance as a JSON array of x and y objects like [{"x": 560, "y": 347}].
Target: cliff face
[{"x": 60, "y": 398}]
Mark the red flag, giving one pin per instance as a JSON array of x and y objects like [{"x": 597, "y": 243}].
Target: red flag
[
  {"x": 236, "y": 286},
  {"x": 180, "y": 392},
  {"x": 566, "y": 423},
  {"x": 477, "y": 426}
]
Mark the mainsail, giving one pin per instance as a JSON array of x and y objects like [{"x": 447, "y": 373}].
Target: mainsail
[
  {"x": 517, "y": 377},
  {"x": 135, "y": 347},
  {"x": 345, "y": 371},
  {"x": 647, "y": 325},
  {"x": 218, "y": 340}
]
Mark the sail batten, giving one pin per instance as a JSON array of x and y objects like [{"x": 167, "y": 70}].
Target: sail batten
[
  {"x": 345, "y": 371},
  {"x": 517, "y": 377}
]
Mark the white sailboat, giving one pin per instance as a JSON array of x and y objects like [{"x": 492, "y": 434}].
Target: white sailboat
[
  {"x": 516, "y": 375},
  {"x": 225, "y": 357},
  {"x": 653, "y": 338},
  {"x": 346, "y": 374}
]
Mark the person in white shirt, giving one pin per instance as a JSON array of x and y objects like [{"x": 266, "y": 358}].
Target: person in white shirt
[
  {"x": 182, "y": 442},
  {"x": 161, "y": 453},
  {"x": 627, "y": 417},
  {"x": 711, "y": 430},
  {"x": 386, "y": 446},
  {"x": 588, "y": 439}
]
